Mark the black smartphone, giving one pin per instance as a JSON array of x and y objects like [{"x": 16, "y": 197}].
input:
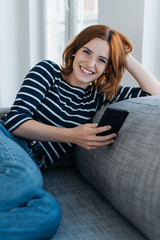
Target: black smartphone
[{"x": 113, "y": 117}]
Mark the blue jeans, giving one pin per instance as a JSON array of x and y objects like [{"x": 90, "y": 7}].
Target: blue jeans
[{"x": 27, "y": 211}]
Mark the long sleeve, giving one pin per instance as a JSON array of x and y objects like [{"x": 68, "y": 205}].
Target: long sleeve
[
  {"x": 125, "y": 93},
  {"x": 33, "y": 90}
]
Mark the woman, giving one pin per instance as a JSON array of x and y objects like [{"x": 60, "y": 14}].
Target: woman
[{"x": 52, "y": 111}]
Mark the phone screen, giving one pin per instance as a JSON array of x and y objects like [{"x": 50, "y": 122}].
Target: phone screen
[{"x": 113, "y": 117}]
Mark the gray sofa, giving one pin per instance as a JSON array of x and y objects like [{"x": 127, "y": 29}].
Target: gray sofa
[{"x": 113, "y": 193}]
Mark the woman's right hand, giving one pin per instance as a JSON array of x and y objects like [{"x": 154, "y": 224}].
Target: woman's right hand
[{"x": 86, "y": 136}]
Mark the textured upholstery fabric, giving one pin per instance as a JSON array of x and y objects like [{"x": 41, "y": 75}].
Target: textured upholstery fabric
[
  {"x": 127, "y": 173},
  {"x": 86, "y": 214}
]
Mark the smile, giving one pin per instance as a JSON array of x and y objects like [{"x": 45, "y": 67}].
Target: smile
[{"x": 85, "y": 70}]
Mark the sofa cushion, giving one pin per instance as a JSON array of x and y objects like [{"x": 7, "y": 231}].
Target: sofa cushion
[
  {"x": 127, "y": 173},
  {"x": 86, "y": 215}
]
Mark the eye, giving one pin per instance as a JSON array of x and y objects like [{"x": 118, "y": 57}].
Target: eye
[
  {"x": 86, "y": 51},
  {"x": 102, "y": 60}
]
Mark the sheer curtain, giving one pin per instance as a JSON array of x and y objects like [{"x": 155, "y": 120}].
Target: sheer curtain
[
  {"x": 151, "y": 36},
  {"x": 65, "y": 18},
  {"x": 22, "y": 43}
]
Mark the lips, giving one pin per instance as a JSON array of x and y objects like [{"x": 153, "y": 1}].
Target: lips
[{"x": 86, "y": 70}]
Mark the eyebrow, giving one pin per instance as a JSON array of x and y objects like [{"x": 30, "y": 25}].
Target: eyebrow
[{"x": 99, "y": 56}]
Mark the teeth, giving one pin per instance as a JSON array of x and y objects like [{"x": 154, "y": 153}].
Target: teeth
[{"x": 86, "y": 71}]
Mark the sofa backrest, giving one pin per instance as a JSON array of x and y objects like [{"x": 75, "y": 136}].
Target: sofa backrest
[{"x": 127, "y": 173}]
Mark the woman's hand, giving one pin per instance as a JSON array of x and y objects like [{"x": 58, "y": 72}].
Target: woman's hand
[{"x": 86, "y": 136}]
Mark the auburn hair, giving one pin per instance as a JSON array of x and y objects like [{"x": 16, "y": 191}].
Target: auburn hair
[{"x": 120, "y": 47}]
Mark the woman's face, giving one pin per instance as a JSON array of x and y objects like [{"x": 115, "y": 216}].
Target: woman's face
[{"x": 90, "y": 62}]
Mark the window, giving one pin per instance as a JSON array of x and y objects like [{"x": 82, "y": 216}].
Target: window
[{"x": 64, "y": 19}]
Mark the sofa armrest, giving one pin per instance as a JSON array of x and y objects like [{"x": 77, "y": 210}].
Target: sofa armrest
[
  {"x": 127, "y": 173},
  {"x": 3, "y": 112}
]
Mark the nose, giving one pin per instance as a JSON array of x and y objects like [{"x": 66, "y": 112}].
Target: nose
[{"x": 91, "y": 62}]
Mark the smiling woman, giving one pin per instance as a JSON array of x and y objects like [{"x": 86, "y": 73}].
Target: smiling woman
[
  {"x": 103, "y": 43},
  {"x": 90, "y": 62},
  {"x": 52, "y": 112}
]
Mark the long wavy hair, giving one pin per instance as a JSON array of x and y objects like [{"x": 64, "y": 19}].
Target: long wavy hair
[{"x": 120, "y": 47}]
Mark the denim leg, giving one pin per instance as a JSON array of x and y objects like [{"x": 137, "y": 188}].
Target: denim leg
[
  {"x": 37, "y": 219},
  {"x": 26, "y": 210}
]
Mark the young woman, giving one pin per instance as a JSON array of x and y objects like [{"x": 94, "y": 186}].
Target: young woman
[{"x": 52, "y": 111}]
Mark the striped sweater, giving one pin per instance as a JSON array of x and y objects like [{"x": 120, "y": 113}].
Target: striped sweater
[{"x": 46, "y": 97}]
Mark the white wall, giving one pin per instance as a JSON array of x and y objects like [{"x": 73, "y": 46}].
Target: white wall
[
  {"x": 139, "y": 21},
  {"x": 13, "y": 48},
  {"x": 151, "y": 37}
]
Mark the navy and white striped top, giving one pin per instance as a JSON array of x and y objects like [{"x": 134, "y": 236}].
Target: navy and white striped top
[{"x": 46, "y": 97}]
